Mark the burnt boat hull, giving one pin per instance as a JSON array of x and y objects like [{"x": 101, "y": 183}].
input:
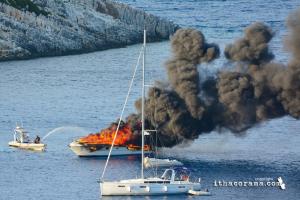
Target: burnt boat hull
[{"x": 101, "y": 150}]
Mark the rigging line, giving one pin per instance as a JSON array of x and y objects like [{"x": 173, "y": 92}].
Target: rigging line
[
  {"x": 123, "y": 109},
  {"x": 156, "y": 152}
]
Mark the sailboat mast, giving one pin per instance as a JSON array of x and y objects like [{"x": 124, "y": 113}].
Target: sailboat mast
[{"x": 143, "y": 104}]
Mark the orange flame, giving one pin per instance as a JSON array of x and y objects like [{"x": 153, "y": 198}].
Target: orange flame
[{"x": 106, "y": 136}]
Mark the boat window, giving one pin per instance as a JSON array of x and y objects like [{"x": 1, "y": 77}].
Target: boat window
[
  {"x": 107, "y": 148},
  {"x": 167, "y": 175},
  {"x": 181, "y": 186},
  {"x": 143, "y": 186},
  {"x": 157, "y": 182},
  {"x": 121, "y": 185}
]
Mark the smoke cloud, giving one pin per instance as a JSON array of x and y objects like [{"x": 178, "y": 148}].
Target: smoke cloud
[
  {"x": 253, "y": 47},
  {"x": 258, "y": 88},
  {"x": 189, "y": 50}
]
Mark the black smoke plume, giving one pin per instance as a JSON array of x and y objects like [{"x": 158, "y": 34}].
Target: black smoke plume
[
  {"x": 253, "y": 47},
  {"x": 257, "y": 89},
  {"x": 189, "y": 50}
]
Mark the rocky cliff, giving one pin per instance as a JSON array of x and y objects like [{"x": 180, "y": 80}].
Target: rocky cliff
[{"x": 35, "y": 28}]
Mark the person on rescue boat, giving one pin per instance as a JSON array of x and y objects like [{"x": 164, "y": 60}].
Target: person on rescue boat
[{"x": 37, "y": 140}]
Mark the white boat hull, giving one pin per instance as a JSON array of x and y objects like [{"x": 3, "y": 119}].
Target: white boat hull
[
  {"x": 141, "y": 188},
  {"x": 199, "y": 193},
  {"x": 83, "y": 151},
  {"x": 28, "y": 146},
  {"x": 155, "y": 162}
]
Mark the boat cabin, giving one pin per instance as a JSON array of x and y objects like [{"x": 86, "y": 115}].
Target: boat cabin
[
  {"x": 176, "y": 175},
  {"x": 21, "y": 135}
]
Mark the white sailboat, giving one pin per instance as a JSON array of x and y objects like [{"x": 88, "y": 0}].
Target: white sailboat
[
  {"x": 21, "y": 140},
  {"x": 171, "y": 181}
]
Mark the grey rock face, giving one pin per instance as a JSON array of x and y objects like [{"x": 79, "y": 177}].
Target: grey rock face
[{"x": 75, "y": 26}]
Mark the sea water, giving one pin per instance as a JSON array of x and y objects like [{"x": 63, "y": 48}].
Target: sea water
[{"x": 87, "y": 91}]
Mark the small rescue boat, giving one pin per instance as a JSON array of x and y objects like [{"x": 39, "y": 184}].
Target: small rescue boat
[
  {"x": 199, "y": 192},
  {"x": 22, "y": 141}
]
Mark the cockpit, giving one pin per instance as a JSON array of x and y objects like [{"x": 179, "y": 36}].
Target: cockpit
[{"x": 178, "y": 174}]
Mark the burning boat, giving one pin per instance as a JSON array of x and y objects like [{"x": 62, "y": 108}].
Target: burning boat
[{"x": 99, "y": 144}]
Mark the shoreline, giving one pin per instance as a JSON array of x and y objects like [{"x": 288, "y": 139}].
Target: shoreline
[{"x": 2, "y": 62}]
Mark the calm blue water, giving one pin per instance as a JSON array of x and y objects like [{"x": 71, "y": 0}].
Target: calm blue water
[{"x": 84, "y": 93}]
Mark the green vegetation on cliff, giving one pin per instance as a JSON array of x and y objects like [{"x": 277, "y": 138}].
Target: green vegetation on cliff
[{"x": 25, "y": 5}]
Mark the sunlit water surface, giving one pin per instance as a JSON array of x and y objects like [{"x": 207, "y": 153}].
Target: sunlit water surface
[{"x": 79, "y": 94}]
